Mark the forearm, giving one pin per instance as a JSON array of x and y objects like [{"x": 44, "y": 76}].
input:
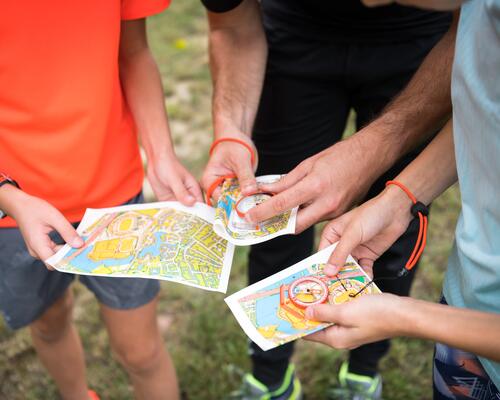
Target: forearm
[
  {"x": 416, "y": 114},
  {"x": 434, "y": 170},
  {"x": 238, "y": 54},
  {"x": 430, "y": 174},
  {"x": 142, "y": 86},
  {"x": 473, "y": 331}
]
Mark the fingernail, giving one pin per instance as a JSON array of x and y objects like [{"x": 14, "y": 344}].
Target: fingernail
[
  {"x": 190, "y": 198},
  {"x": 309, "y": 313},
  {"x": 330, "y": 269},
  {"x": 249, "y": 188},
  {"x": 77, "y": 242}
]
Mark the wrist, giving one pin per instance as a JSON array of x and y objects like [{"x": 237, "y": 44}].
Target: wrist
[
  {"x": 404, "y": 321},
  {"x": 380, "y": 141},
  {"x": 160, "y": 156},
  {"x": 395, "y": 199},
  {"x": 12, "y": 199},
  {"x": 226, "y": 128}
]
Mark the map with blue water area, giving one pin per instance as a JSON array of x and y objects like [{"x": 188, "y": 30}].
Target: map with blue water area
[
  {"x": 167, "y": 243},
  {"x": 274, "y": 312}
]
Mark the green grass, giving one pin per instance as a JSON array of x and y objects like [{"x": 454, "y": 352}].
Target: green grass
[{"x": 208, "y": 347}]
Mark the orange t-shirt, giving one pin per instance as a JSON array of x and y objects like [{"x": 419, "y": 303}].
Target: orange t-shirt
[{"x": 66, "y": 133}]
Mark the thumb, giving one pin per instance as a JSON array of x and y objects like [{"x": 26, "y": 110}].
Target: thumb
[
  {"x": 246, "y": 178},
  {"x": 66, "y": 230},
  {"x": 324, "y": 313},
  {"x": 348, "y": 241}
]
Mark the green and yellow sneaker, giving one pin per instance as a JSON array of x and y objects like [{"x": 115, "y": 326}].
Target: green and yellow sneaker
[
  {"x": 356, "y": 387},
  {"x": 253, "y": 389}
]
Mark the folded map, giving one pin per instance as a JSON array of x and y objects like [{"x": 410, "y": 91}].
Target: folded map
[
  {"x": 163, "y": 240},
  {"x": 235, "y": 229}
]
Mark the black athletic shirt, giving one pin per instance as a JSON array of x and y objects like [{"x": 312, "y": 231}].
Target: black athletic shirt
[{"x": 344, "y": 20}]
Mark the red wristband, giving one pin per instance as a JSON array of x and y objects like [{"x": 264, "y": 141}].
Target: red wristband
[
  {"x": 234, "y": 140},
  {"x": 420, "y": 211}
]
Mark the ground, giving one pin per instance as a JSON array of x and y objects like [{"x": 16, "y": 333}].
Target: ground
[{"x": 208, "y": 347}]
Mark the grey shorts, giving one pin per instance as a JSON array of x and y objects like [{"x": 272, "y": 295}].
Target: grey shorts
[{"x": 28, "y": 288}]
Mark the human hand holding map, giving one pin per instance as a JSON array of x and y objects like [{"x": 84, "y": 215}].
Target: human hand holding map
[
  {"x": 235, "y": 229},
  {"x": 272, "y": 311},
  {"x": 163, "y": 240}
]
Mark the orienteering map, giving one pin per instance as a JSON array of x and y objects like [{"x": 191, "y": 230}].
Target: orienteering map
[
  {"x": 236, "y": 230},
  {"x": 271, "y": 312},
  {"x": 164, "y": 240}
]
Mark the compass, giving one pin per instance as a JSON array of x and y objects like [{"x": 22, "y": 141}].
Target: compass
[
  {"x": 245, "y": 203},
  {"x": 308, "y": 291}
]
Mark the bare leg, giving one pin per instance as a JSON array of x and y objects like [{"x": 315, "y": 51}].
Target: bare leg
[
  {"x": 59, "y": 348},
  {"x": 137, "y": 342}
]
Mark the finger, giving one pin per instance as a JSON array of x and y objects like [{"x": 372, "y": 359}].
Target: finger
[
  {"x": 335, "y": 336},
  {"x": 319, "y": 337},
  {"x": 57, "y": 247},
  {"x": 329, "y": 236},
  {"x": 349, "y": 240},
  {"x": 310, "y": 215},
  {"x": 284, "y": 201},
  {"x": 246, "y": 178},
  {"x": 286, "y": 181},
  {"x": 216, "y": 194},
  {"x": 42, "y": 248},
  {"x": 40, "y": 251},
  {"x": 366, "y": 264},
  {"x": 66, "y": 230},
  {"x": 194, "y": 189},
  {"x": 181, "y": 192},
  {"x": 325, "y": 313}
]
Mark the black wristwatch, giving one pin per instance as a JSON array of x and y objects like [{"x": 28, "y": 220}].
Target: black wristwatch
[{"x": 6, "y": 180}]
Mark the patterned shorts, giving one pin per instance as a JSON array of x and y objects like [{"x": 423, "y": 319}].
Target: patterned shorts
[{"x": 459, "y": 375}]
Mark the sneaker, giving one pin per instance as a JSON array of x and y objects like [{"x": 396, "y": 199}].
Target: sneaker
[
  {"x": 253, "y": 389},
  {"x": 356, "y": 387}
]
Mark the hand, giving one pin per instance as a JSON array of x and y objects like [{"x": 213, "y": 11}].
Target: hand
[
  {"x": 367, "y": 319},
  {"x": 36, "y": 220},
  {"x": 230, "y": 158},
  {"x": 325, "y": 185},
  {"x": 368, "y": 230},
  {"x": 171, "y": 181}
]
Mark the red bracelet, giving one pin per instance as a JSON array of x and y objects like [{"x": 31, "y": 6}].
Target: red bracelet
[
  {"x": 219, "y": 181},
  {"x": 214, "y": 185},
  {"x": 239, "y": 141},
  {"x": 420, "y": 211}
]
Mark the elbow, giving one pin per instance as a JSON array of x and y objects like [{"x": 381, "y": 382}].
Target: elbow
[{"x": 133, "y": 56}]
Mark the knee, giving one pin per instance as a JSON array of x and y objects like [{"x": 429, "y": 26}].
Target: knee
[
  {"x": 140, "y": 359},
  {"x": 54, "y": 322}
]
